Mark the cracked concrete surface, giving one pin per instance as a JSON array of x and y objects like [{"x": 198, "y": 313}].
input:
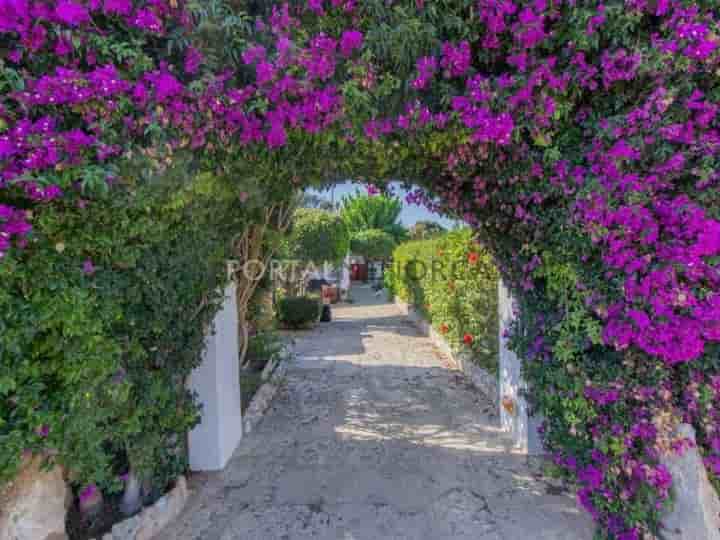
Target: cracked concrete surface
[{"x": 374, "y": 436}]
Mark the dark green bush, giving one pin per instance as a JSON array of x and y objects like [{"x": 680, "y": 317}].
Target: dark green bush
[
  {"x": 102, "y": 318},
  {"x": 298, "y": 311},
  {"x": 318, "y": 236}
]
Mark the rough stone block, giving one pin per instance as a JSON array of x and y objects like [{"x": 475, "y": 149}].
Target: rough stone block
[
  {"x": 696, "y": 512},
  {"x": 34, "y": 504}
]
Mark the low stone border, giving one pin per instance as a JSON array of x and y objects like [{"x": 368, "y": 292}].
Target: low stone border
[
  {"x": 151, "y": 520},
  {"x": 485, "y": 381},
  {"x": 273, "y": 373}
]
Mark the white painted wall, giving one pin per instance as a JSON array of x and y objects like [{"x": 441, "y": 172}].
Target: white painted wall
[
  {"x": 217, "y": 383},
  {"x": 522, "y": 427}
]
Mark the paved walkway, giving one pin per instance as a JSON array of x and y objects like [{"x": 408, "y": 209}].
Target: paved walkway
[{"x": 373, "y": 437}]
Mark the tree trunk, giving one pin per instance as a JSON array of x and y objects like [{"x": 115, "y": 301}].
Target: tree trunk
[{"x": 244, "y": 334}]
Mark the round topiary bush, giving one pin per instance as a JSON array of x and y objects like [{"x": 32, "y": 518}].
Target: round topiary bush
[{"x": 298, "y": 311}]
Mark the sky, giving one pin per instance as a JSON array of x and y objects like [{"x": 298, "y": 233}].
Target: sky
[{"x": 411, "y": 213}]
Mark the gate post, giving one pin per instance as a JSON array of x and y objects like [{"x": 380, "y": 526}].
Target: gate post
[
  {"x": 217, "y": 383},
  {"x": 514, "y": 415}
]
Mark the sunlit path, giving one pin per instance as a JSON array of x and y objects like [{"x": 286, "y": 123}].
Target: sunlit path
[{"x": 374, "y": 437}]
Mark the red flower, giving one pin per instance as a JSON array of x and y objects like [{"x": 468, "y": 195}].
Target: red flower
[
  {"x": 473, "y": 258},
  {"x": 444, "y": 328},
  {"x": 468, "y": 339}
]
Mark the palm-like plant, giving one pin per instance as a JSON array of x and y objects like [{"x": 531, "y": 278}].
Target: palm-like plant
[{"x": 379, "y": 212}]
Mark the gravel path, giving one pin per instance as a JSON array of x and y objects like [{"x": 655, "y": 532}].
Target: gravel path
[{"x": 374, "y": 436}]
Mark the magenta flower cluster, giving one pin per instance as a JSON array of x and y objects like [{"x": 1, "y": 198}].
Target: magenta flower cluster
[{"x": 109, "y": 106}]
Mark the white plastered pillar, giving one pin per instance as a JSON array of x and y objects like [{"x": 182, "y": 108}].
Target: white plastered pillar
[
  {"x": 217, "y": 384},
  {"x": 514, "y": 414}
]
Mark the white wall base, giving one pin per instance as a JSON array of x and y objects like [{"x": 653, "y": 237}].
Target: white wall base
[
  {"x": 514, "y": 414},
  {"x": 217, "y": 383}
]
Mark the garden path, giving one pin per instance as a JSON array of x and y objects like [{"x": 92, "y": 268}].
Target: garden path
[{"x": 374, "y": 436}]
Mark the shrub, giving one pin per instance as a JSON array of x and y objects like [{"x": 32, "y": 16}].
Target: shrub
[
  {"x": 103, "y": 318},
  {"x": 318, "y": 236},
  {"x": 363, "y": 212},
  {"x": 452, "y": 281},
  {"x": 298, "y": 311}
]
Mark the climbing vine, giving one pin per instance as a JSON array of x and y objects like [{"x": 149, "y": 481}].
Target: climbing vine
[{"x": 579, "y": 140}]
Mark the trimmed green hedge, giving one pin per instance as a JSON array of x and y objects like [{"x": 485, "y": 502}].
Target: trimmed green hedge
[
  {"x": 298, "y": 311},
  {"x": 102, "y": 318},
  {"x": 452, "y": 281}
]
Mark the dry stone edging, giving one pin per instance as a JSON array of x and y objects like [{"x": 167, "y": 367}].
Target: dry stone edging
[
  {"x": 696, "y": 511},
  {"x": 152, "y": 519},
  {"x": 33, "y": 505},
  {"x": 273, "y": 373},
  {"x": 485, "y": 381}
]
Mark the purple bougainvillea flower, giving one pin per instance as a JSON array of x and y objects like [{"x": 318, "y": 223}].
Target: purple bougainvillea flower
[
  {"x": 193, "y": 59},
  {"x": 88, "y": 267},
  {"x": 119, "y": 7},
  {"x": 71, "y": 13},
  {"x": 350, "y": 41},
  {"x": 88, "y": 492}
]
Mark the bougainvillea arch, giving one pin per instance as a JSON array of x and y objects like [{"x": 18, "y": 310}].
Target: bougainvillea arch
[{"x": 580, "y": 139}]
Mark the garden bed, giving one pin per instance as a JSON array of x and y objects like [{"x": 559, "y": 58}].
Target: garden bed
[{"x": 109, "y": 524}]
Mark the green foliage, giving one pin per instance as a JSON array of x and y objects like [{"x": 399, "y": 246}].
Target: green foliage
[
  {"x": 452, "y": 280},
  {"x": 263, "y": 347},
  {"x": 318, "y": 236},
  {"x": 424, "y": 230},
  {"x": 103, "y": 317},
  {"x": 298, "y": 311},
  {"x": 373, "y": 244},
  {"x": 362, "y": 212}
]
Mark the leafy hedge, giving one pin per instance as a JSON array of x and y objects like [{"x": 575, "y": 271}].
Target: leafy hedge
[
  {"x": 453, "y": 283},
  {"x": 298, "y": 311},
  {"x": 102, "y": 318}
]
